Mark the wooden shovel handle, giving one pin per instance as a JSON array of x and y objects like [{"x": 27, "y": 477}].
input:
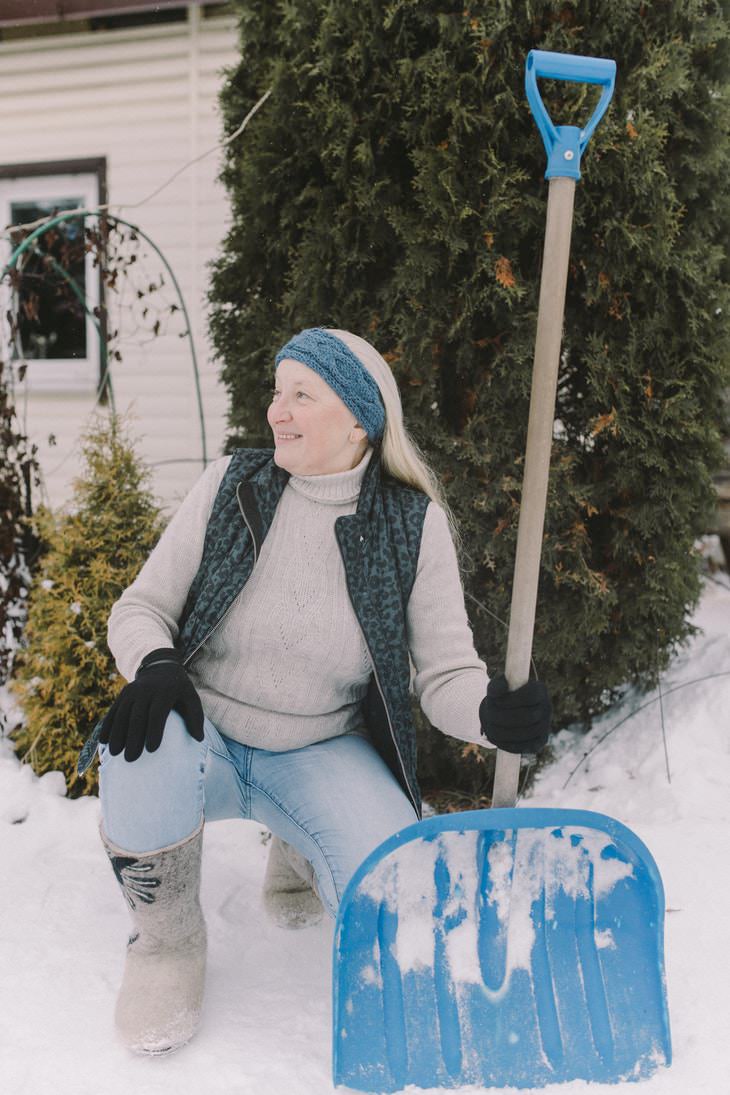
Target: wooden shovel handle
[{"x": 551, "y": 307}]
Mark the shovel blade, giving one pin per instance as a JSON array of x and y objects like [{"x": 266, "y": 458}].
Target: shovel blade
[{"x": 509, "y": 947}]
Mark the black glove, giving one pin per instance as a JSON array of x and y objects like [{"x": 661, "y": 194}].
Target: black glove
[
  {"x": 137, "y": 717},
  {"x": 519, "y": 721}
]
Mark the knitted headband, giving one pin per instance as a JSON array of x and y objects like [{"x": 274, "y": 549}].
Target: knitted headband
[{"x": 343, "y": 371}]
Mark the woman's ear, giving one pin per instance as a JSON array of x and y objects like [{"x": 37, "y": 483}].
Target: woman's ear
[{"x": 355, "y": 438}]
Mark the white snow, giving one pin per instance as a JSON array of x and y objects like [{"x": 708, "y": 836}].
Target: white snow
[
  {"x": 546, "y": 863},
  {"x": 408, "y": 884},
  {"x": 266, "y": 1024}
]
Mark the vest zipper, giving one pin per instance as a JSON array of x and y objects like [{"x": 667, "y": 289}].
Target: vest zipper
[
  {"x": 219, "y": 622},
  {"x": 385, "y": 705},
  {"x": 212, "y": 631},
  {"x": 392, "y": 732},
  {"x": 243, "y": 514}
]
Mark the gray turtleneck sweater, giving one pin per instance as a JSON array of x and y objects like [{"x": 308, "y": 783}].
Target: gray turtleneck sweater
[{"x": 288, "y": 665}]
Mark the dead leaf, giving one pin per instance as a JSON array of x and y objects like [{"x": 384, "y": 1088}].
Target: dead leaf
[
  {"x": 471, "y": 749},
  {"x": 604, "y": 422},
  {"x": 503, "y": 273},
  {"x": 615, "y": 308},
  {"x": 600, "y": 580}
]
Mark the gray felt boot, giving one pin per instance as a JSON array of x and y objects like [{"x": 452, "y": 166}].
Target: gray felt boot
[
  {"x": 290, "y": 893},
  {"x": 161, "y": 998}
]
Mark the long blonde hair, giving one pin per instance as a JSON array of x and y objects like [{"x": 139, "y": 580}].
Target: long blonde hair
[{"x": 400, "y": 456}]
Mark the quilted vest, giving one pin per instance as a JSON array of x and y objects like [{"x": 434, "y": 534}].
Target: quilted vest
[{"x": 379, "y": 544}]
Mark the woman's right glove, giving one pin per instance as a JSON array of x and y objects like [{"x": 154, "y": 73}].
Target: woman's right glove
[
  {"x": 519, "y": 721},
  {"x": 138, "y": 715}
]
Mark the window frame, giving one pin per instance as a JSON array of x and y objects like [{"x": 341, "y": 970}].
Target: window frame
[{"x": 85, "y": 178}]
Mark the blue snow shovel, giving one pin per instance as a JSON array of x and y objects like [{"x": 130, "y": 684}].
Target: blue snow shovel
[{"x": 509, "y": 947}]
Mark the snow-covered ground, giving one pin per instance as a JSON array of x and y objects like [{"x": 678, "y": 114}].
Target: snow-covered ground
[{"x": 266, "y": 1025}]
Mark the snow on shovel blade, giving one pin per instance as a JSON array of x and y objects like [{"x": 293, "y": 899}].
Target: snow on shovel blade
[{"x": 501, "y": 947}]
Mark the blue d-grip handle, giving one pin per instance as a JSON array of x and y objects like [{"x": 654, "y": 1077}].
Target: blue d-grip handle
[{"x": 564, "y": 144}]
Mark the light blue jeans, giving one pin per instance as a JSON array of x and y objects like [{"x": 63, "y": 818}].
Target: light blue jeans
[{"x": 334, "y": 801}]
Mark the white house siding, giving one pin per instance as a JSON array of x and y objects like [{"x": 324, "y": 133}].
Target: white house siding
[{"x": 146, "y": 99}]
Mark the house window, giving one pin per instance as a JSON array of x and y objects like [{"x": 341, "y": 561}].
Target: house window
[{"x": 57, "y": 301}]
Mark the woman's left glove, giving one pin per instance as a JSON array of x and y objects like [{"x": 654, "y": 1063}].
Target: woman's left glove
[
  {"x": 519, "y": 721},
  {"x": 136, "y": 720}
]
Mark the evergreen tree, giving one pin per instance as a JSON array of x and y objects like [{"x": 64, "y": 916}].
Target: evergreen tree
[
  {"x": 65, "y": 676},
  {"x": 393, "y": 184}
]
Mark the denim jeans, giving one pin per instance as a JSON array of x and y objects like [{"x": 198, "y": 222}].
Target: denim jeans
[{"x": 334, "y": 801}]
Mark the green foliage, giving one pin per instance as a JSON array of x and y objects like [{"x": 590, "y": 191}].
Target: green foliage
[
  {"x": 65, "y": 676},
  {"x": 393, "y": 184},
  {"x": 19, "y": 546}
]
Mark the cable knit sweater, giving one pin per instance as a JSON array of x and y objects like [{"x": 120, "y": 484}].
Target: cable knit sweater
[{"x": 288, "y": 664}]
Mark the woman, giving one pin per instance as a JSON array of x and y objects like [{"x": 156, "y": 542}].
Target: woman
[{"x": 270, "y": 641}]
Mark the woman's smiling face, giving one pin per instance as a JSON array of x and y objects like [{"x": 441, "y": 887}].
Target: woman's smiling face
[{"x": 326, "y": 437}]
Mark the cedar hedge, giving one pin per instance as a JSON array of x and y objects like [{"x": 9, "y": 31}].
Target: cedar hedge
[{"x": 393, "y": 184}]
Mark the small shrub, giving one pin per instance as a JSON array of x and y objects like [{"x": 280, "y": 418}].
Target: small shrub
[{"x": 65, "y": 675}]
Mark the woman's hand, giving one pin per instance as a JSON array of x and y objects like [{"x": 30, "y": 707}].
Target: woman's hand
[
  {"x": 138, "y": 715},
  {"x": 519, "y": 721}
]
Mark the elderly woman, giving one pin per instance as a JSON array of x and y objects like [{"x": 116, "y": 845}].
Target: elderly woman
[{"x": 271, "y": 641}]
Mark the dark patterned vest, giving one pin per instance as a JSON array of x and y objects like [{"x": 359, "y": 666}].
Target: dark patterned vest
[{"x": 379, "y": 544}]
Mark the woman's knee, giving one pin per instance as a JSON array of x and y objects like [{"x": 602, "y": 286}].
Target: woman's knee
[
  {"x": 158, "y": 798},
  {"x": 176, "y": 751}
]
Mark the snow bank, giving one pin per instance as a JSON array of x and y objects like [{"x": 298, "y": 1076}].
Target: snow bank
[{"x": 266, "y": 1026}]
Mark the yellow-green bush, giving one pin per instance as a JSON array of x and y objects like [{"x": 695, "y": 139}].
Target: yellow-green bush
[{"x": 64, "y": 675}]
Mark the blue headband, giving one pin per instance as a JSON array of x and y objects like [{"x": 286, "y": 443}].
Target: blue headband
[{"x": 343, "y": 371}]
